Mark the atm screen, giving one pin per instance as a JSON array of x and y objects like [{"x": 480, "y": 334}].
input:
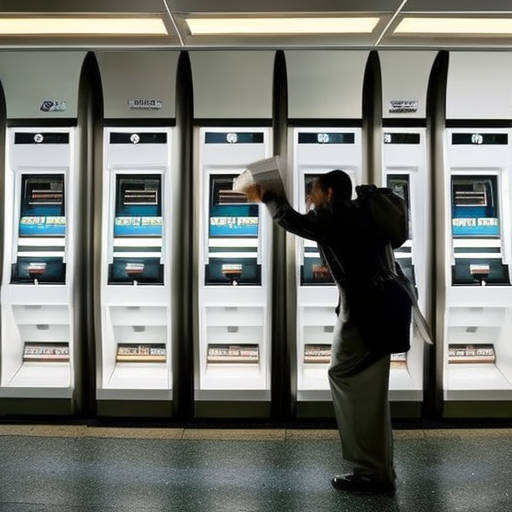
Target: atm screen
[
  {"x": 309, "y": 180},
  {"x": 313, "y": 271},
  {"x": 138, "y": 205},
  {"x": 399, "y": 184},
  {"x": 42, "y": 210},
  {"x": 230, "y": 213},
  {"x": 475, "y": 206}
]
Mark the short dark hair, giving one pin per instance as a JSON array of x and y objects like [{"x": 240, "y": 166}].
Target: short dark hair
[{"x": 338, "y": 181}]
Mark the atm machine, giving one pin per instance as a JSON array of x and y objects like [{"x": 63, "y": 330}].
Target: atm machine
[
  {"x": 234, "y": 276},
  {"x": 137, "y": 221},
  {"x": 477, "y": 351},
  {"x": 405, "y": 169},
  {"x": 233, "y": 239},
  {"x": 38, "y": 346},
  {"x": 477, "y": 316},
  {"x": 325, "y": 94},
  {"x": 40, "y": 305},
  {"x": 135, "y": 357},
  {"x": 317, "y": 151}
]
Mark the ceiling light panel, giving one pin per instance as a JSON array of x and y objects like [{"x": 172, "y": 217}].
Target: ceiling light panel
[
  {"x": 455, "y": 26},
  {"x": 82, "y": 26},
  {"x": 282, "y": 26}
]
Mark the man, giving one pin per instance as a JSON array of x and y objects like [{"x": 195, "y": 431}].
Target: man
[{"x": 374, "y": 311}]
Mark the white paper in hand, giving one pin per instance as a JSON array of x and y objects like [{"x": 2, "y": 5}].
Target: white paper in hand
[{"x": 265, "y": 173}]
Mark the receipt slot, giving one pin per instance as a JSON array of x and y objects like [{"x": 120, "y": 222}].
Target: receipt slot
[
  {"x": 234, "y": 279},
  {"x": 38, "y": 345},
  {"x": 134, "y": 366},
  {"x": 478, "y": 315},
  {"x": 317, "y": 151}
]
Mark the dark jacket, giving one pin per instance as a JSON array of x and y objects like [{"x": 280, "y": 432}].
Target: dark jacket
[{"x": 375, "y": 297}]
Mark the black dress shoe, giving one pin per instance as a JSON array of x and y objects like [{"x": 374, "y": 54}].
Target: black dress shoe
[{"x": 361, "y": 484}]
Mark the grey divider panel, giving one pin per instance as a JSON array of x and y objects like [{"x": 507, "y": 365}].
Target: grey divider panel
[
  {"x": 41, "y": 85},
  {"x": 405, "y": 76},
  {"x": 325, "y": 84},
  {"x": 232, "y": 84},
  {"x": 139, "y": 84},
  {"x": 479, "y": 85}
]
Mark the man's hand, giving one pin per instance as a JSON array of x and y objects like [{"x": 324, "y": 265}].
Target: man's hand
[{"x": 254, "y": 193}]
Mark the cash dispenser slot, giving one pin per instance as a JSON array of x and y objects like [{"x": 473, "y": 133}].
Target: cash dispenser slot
[
  {"x": 141, "y": 353},
  {"x": 38, "y": 270},
  {"x": 220, "y": 353},
  {"x": 34, "y": 352},
  {"x": 319, "y": 353},
  {"x": 136, "y": 270}
]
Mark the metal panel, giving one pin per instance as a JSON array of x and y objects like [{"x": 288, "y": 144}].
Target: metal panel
[
  {"x": 482, "y": 91},
  {"x": 139, "y": 84},
  {"x": 325, "y": 84},
  {"x": 283, "y": 6},
  {"x": 456, "y": 7},
  {"x": 41, "y": 85},
  {"x": 232, "y": 84},
  {"x": 86, "y": 6},
  {"x": 405, "y": 94}
]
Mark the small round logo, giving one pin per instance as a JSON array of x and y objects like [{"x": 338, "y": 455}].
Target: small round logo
[
  {"x": 38, "y": 138},
  {"x": 322, "y": 138},
  {"x": 476, "y": 138},
  {"x": 232, "y": 138},
  {"x": 135, "y": 138}
]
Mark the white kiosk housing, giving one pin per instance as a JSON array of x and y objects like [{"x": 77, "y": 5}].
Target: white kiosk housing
[
  {"x": 135, "y": 285},
  {"x": 477, "y": 317},
  {"x": 318, "y": 151},
  {"x": 37, "y": 290},
  {"x": 234, "y": 271}
]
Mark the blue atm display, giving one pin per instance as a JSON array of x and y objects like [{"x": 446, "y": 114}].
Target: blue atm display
[
  {"x": 138, "y": 206},
  {"x": 475, "y": 207},
  {"x": 42, "y": 206},
  {"x": 230, "y": 214}
]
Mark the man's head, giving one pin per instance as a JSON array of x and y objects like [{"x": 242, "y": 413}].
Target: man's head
[{"x": 332, "y": 185}]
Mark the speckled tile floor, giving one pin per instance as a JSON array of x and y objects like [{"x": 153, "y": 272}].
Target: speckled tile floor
[{"x": 83, "y": 468}]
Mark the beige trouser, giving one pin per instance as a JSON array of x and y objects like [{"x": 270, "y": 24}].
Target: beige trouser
[{"x": 361, "y": 405}]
